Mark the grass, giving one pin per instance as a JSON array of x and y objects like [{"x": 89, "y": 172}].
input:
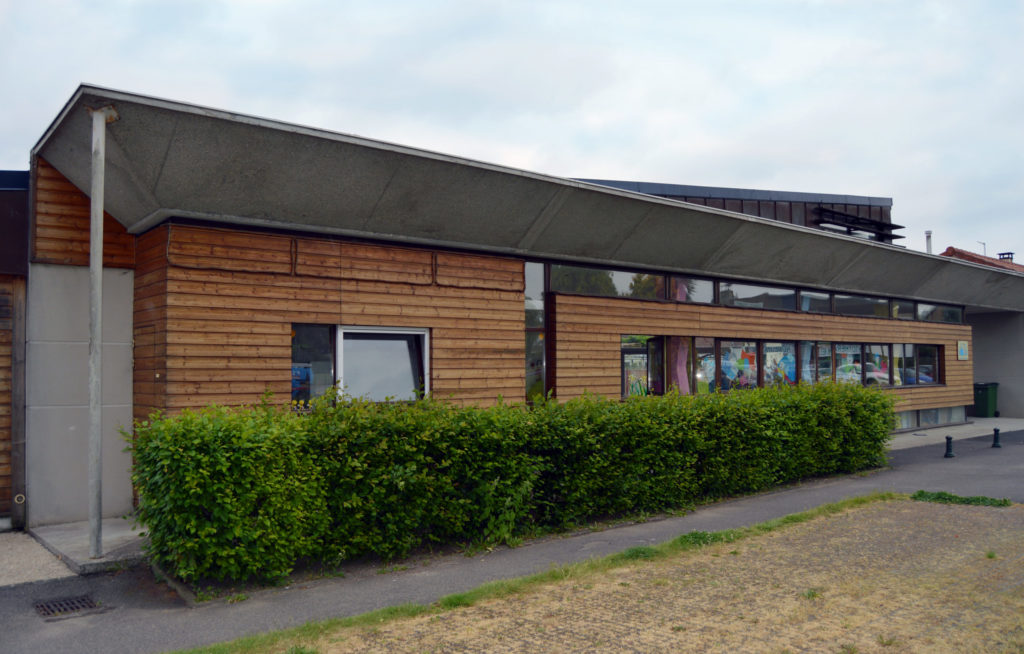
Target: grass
[
  {"x": 694, "y": 540},
  {"x": 948, "y": 498}
]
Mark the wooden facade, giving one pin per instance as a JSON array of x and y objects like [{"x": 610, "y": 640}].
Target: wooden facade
[
  {"x": 587, "y": 348},
  {"x": 60, "y": 224},
  {"x": 7, "y": 300},
  {"x": 214, "y": 310}
]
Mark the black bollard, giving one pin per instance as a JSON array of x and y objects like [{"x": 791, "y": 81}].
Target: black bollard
[
  {"x": 949, "y": 448},
  {"x": 995, "y": 437}
]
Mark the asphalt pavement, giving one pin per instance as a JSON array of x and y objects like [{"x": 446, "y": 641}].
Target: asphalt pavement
[{"x": 135, "y": 613}]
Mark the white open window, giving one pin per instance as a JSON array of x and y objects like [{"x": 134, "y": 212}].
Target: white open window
[{"x": 380, "y": 363}]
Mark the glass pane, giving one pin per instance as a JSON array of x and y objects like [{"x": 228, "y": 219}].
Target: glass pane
[
  {"x": 779, "y": 364},
  {"x": 903, "y": 310},
  {"x": 753, "y": 296},
  {"x": 534, "y": 365},
  {"x": 679, "y": 350},
  {"x": 939, "y": 313},
  {"x": 907, "y": 419},
  {"x": 656, "y": 365},
  {"x": 876, "y": 365},
  {"x": 807, "y": 364},
  {"x": 634, "y": 365},
  {"x": 739, "y": 364},
  {"x": 861, "y": 305},
  {"x": 848, "y": 363},
  {"x": 312, "y": 361},
  {"x": 928, "y": 417},
  {"x": 705, "y": 373},
  {"x": 691, "y": 289},
  {"x": 824, "y": 352},
  {"x": 927, "y": 364},
  {"x": 815, "y": 302},
  {"x": 607, "y": 283},
  {"x": 382, "y": 366},
  {"x": 534, "y": 293}
]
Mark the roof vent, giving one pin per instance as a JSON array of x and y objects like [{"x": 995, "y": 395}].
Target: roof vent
[{"x": 1006, "y": 256}]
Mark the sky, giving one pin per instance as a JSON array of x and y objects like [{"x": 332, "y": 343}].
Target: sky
[{"x": 918, "y": 100}]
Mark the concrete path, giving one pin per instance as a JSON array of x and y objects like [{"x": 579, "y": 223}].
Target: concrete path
[{"x": 136, "y": 614}]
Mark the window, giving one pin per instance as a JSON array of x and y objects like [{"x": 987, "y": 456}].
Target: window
[
  {"x": 815, "y": 302},
  {"x": 825, "y": 362},
  {"x": 754, "y": 296},
  {"x": 779, "y": 364},
  {"x": 607, "y": 283},
  {"x": 312, "y": 361},
  {"x": 861, "y": 305},
  {"x": 939, "y": 313},
  {"x": 876, "y": 365},
  {"x": 692, "y": 289},
  {"x": 903, "y": 310},
  {"x": 370, "y": 362},
  {"x": 706, "y": 371},
  {"x": 679, "y": 363},
  {"x": 848, "y": 363},
  {"x": 643, "y": 365},
  {"x": 536, "y": 363},
  {"x": 379, "y": 364},
  {"x": 739, "y": 364}
]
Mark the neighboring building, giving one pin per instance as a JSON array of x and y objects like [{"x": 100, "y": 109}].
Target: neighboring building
[
  {"x": 245, "y": 255},
  {"x": 998, "y": 339}
]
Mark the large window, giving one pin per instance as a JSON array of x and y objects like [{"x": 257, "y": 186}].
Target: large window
[
  {"x": 643, "y": 365},
  {"x": 607, "y": 283},
  {"x": 848, "y": 363},
  {"x": 739, "y": 364},
  {"x": 862, "y": 305},
  {"x": 780, "y": 364},
  {"x": 370, "y": 362},
  {"x": 755, "y": 296},
  {"x": 692, "y": 289}
]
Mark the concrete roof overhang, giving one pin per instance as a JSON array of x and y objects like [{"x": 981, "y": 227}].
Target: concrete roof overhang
[{"x": 168, "y": 159}]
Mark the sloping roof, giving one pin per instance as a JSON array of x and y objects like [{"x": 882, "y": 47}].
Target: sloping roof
[
  {"x": 167, "y": 159},
  {"x": 973, "y": 257}
]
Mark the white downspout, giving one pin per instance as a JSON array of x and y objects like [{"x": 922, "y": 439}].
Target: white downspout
[{"x": 100, "y": 118}]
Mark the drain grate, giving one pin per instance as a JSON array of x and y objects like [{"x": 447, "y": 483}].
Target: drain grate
[{"x": 62, "y": 606}]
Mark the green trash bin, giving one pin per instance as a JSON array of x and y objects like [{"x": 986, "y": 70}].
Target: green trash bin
[{"x": 985, "y": 400}]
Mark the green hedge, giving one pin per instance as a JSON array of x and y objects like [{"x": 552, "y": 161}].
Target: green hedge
[{"x": 232, "y": 494}]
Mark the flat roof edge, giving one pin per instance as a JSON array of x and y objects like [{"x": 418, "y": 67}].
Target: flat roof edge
[{"x": 688, "y": 190}]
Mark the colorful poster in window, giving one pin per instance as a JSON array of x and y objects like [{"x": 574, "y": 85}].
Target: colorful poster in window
[
  {"x": 739, "y": 364},
  {"x": 848, "y": 363},
  {"x": 779, "y": 364},
  {"x": 680, "y": 364}
]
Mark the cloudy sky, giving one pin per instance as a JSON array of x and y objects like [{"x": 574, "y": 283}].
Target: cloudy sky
[{"x": 918, "y": 100}]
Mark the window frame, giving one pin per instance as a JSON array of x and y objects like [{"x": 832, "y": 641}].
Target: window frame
[{"x": 339, "y": 355}]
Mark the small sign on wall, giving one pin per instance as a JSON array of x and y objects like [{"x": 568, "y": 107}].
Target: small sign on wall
[{"x": 961, "y": 351}]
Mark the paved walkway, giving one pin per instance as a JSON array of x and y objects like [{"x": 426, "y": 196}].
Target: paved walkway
[{"x": 136, "y": 614}]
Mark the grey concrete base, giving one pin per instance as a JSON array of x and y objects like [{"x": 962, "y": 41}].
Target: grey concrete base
[
  {"x": 5, "y": 524},
  {"x": 937, "y": 435},
  {"x": 122, "y": 545}
]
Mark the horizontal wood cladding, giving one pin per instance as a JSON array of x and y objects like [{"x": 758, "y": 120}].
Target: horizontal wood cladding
[
  {"x": 588, "y": 347},
  {"x": 214, "y": 310},
  {"x": 60, "y": 225},
  {"x": 472, "y": 271},
  {"x": 6, "y": 359}
]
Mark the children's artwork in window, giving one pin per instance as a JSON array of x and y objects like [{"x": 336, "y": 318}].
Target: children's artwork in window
[
  {"x": 780, "y": 364},
  {"x": 848, "y": 363},
  {"x": 739, "y": 364},
  {"x": 643, "y": 369},
  {"x": 706, "y": 371}
]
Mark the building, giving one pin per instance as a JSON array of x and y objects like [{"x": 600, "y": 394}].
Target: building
[{"x": 244, "y": 255}]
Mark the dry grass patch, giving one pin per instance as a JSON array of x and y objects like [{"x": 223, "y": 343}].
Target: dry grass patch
[{"x": 892, "y": 576}]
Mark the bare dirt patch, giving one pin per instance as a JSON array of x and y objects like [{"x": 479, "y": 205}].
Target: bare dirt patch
[{"x": 894, "y": 576}]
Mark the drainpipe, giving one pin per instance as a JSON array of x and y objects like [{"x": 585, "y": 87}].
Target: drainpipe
[{"x": 100, "y": 118}]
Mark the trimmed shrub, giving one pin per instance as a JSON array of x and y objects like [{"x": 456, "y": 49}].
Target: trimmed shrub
[{"x": 231, "y": 494}]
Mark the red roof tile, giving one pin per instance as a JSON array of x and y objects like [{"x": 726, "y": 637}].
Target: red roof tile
[{"x": 974, "y": 257}]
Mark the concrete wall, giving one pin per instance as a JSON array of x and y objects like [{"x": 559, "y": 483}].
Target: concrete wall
[
  {"x": 57, "y": 393},
  {"x": 999, "y": 357}
]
